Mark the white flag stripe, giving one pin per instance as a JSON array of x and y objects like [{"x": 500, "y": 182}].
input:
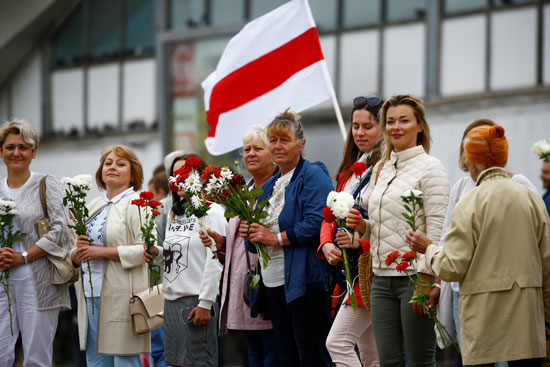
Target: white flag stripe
[{"x": 300, "y": 92}]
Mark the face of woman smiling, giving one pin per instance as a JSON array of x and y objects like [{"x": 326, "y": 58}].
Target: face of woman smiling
[
  {"x": 402, "y": 127},
  {"x": 17, "y": 153},
  {"x": 365, "y": 130},
  {"x": 116, "y": 172}
]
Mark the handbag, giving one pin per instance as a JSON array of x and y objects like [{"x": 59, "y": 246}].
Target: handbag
[
  {"x": 147, "y": 306},
  {"x": 247, "y": 280},
  {"x": 63, "y": 270},
  {"x": 365, "y": 278},
  {"x": 147, "y": 310}
]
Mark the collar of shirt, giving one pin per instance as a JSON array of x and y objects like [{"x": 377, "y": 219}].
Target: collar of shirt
[{"x": 117, "y": 198}]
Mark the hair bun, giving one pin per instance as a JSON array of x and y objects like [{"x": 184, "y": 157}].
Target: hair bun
[{"x": 496, "y": 131}]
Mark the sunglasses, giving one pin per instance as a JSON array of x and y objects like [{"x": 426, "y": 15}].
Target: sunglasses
[{"x": 360, "y": 102}]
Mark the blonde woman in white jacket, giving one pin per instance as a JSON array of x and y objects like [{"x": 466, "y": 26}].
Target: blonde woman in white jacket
[{"x": 406, "y": 165}]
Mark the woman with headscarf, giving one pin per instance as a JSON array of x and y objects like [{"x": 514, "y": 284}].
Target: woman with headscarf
[{"x": 498, "y": 248}]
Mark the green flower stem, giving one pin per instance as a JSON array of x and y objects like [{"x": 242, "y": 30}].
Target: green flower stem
[
  {"x": 342, "y": 224},
  {"x": 6, "y": 285}
]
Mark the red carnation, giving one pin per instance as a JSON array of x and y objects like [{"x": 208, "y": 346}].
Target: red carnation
[
  {"x": 358, "y": 168},
  {"x": 391, "y": 257},
  {"x": 154, "y": 204},
  {"x": 173, "y": 186},
  {"x": 218, "y": 173},
  {"x": 192, "y": 162},
  {"x": 409, "y": 255},
  {"x": 402, "y": 266},
  {"x": 138, "y": 202},
  {"x": 237, "y": 180},
  {"x": 146, "y": 195},
  {"x": 155, "y": 212},
  {"x": 208, "y": 171},
  {"x": 328, "y": 216}
]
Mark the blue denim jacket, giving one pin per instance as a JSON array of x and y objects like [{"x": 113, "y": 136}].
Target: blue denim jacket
[{"x": 301, "y": 218}]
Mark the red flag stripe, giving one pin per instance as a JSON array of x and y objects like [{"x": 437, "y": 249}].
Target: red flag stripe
[{"x": 262, "y": 75}]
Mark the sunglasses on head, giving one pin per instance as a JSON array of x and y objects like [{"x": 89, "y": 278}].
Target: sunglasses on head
[{"x": 360, "y": 102}]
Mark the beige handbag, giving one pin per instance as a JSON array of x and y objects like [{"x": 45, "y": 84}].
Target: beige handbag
[
  {"x": 365, "y": 278},
  {"x": 147, "y": 310},
  {"x": 63, "y": 270},
  {"x": 147, "y": 306}
]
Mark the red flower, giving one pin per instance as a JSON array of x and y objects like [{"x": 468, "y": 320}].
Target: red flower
[
  {"x": 182, "y": 171},
  {"x": 192, "y": 162},
  {"x": 358, "y": 168},
  {"x": 391, "y": 257},
  {"x": 146, "y": 195},
  {"x": 237, "y": 180},
  {"x": 173, "y": 186},
  {"x": 154, "y": 204},
  {"x": 402, "y": 266},
  {"x": 218, "y": 173},
  {"x": 409, "y": 255},
  {"x": 155, "y": 212},
  {"x": 208, "y": 171},
  {"x": 138, "y": 202},
  {"x": 328, "y": 216}
]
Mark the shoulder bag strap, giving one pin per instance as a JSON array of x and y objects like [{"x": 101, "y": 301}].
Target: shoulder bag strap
[
  {"x": 248, "y": 260},
  {"x": 43, "y": 196}
]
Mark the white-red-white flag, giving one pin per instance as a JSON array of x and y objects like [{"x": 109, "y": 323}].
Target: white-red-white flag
[{"x": 273, "y": 63}]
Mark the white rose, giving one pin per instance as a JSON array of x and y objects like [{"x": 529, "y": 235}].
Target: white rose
[
  {"x": 330, "y": 198},
  {"x": 541, "y": 148}
]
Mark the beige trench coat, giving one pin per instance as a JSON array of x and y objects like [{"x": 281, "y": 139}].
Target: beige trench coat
[
  {"x": 115, "y": 335},
  {"x": 498, "y": 248}
]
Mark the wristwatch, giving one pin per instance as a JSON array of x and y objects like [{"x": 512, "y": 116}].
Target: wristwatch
[{"x": 24, "y": 254}]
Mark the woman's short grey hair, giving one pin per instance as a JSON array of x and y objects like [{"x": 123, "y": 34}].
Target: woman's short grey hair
[
  {"x": 19, "y": 127},
  {"x": 256, "y": 133}
]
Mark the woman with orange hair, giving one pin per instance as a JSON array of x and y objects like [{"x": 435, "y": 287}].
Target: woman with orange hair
[{"x": 498, "y": 248}]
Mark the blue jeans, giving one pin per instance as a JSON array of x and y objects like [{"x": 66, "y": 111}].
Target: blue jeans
[
  {"x": 262, "y": 351},
  {"x": 157, "y": 347},
  {"x": 93, "y": 359}
]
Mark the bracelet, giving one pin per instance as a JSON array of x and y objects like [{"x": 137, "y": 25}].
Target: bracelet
[
  {"x": 437, "y": 285},
  {"x": 280, "y": 238}
]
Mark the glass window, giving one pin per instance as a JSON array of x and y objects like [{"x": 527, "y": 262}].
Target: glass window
[
  {"x": 67, "y": 42},
  {"x": 452, "y": 6},
  {"x": 511, "y": 2},
  {"x": 324, "y": 13},
  {"x": 140, "y": 27},
  {"x": 226, "y": 12},
  {"x": 105, "y": 28},
  {"x": 513, "y": 48},
  {"x": 405, "y": 9},
  {"x": 260, "y": 7},
  {"x": 187, "y": 13},
  {"x": 361, "y": 12}
]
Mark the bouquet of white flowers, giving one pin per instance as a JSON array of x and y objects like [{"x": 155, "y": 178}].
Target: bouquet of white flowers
[
  {"x": 541, "y": 149},
  {"x": 7, "y": 238},
  {"x": 340, "y": 203}
]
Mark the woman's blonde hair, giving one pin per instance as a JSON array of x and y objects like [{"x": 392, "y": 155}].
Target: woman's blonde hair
[
  {"x": 19, "y": 127},
  {"x": 255, "y": 133},
  {"x": 285, "y": 123},
  {"x": 423, "y": 138},
  {"x": 136, "y": 170}
]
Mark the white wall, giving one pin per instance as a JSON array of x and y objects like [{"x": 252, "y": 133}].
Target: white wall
[
  {"x": 26, "y": 94},
  {"x": 359, "y": 65},
  {"x": 463, "y": 62},
  {"x": 546, "y": 47},
  {"x": 404, "y": 59}
]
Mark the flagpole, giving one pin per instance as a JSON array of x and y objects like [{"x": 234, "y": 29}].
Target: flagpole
[{"x": 339, "y": 117}]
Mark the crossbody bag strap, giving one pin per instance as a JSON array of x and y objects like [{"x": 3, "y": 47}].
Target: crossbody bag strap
[
  {"x": 248, "y": 260},
  {"x": 43, "y": 196}
]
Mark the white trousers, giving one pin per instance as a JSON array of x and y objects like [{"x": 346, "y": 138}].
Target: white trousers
[
  {"x": 37, "y": 328},
  {"x": 348, "y": 329}
]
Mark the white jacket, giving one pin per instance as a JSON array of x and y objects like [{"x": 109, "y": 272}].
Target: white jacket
[{"x": 411, "y": 169}]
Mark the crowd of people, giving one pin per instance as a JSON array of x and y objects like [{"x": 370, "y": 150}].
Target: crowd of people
[{"x": 485, "y": 242}]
